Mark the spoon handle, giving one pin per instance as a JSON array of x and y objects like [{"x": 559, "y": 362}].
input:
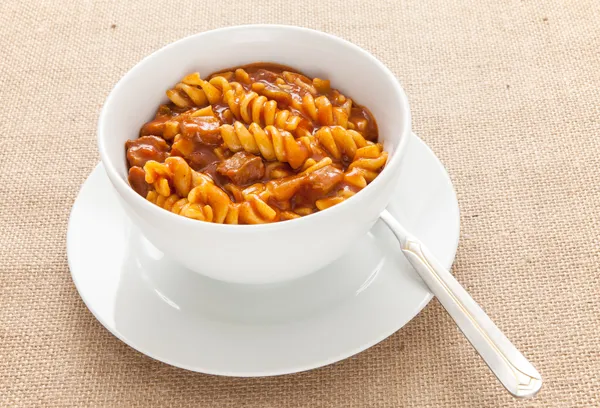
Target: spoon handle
[{"x": 513, "y": 370}]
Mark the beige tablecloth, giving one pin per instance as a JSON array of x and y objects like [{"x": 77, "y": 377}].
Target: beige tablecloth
[{"x": 507, "y": 93}]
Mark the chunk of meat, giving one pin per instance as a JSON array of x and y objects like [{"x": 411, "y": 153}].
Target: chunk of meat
[
  {"x": 206, "y": 128},
  {"x": 202, "y": 156},
  {"x": 137, "y": 180},
  {"x": 272, "y": 92},
  {"x": 322, "y": 181},
  {"x": 146, "y": 148},
  {"x": 283, "y": 189},
  {"x": 264, "y": 75},
  {"x": 242, "y": 168}
]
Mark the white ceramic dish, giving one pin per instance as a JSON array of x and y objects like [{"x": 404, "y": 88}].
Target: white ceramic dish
[
  {"x": 256, "y": 253},
  {"x": 185, "y": 319}
]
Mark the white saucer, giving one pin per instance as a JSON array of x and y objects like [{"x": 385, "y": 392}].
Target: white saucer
[{"x": 184, "y": 319}]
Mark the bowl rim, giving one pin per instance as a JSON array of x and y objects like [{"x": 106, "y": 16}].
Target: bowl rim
[{"x": 124, "y": 188}]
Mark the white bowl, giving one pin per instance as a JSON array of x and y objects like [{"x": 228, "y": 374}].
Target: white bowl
[{"x": 256, "y": 253}]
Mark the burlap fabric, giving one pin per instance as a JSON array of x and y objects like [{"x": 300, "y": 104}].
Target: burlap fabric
[{"x": 507, "y": 93}]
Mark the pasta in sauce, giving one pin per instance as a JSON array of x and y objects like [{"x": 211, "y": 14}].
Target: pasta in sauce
[{"x": 256, "y": 144}]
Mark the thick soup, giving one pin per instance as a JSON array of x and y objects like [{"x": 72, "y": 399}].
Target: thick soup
[{"x": 256, "y": 144}]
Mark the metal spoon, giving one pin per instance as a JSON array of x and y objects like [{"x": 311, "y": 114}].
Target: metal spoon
[{"x": 513, "y": 370}]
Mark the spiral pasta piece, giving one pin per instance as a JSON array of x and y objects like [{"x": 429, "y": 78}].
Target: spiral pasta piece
[
  {"x": 181, "y": 206},
  {"x": 323, "y": 112},
  {"x": 194, "y": 91},
  {"x": 276, "y": 92},
  {"x": 368, "y": 163},
  {"x": 242, "y": 76},
  {"x": 216, "y": 88},
  {"x": 269, "y": 142},
  {"x": 319, "y": 109},
  {"x": 206, "y": 193},
  {"x": 328, "y": 109},
  {"x": 301, "y": 81},
  {"x": 188, "y": 92},
  {"x": 176, "y": 185},
  {"x": 369, "y": 158},
  {"x": 251, "y": 107},
  {"x": 339, "y": 141}
]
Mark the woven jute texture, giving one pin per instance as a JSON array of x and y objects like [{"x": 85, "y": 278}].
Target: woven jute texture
[{"x": 507, "y": 93}]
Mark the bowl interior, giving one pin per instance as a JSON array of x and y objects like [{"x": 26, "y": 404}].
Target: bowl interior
[{"x": 352, "y": 70}]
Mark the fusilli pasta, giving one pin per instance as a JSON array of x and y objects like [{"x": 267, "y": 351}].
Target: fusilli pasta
[{"x": 254, "y": 144}]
